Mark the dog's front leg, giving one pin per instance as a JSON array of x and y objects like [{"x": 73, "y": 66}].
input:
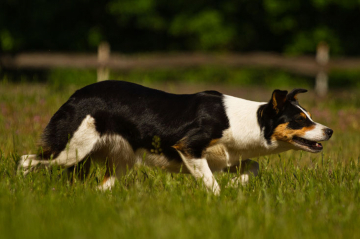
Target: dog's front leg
[{"x": 199, "y": 168}]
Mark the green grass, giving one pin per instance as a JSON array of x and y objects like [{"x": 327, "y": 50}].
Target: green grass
[{"x": 296, "y": 195}]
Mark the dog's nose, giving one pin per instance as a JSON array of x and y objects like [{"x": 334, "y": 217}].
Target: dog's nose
[{"x": 328, "y": 132}]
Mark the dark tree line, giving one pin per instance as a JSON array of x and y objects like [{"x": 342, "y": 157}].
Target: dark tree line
[{"x": 293, "y": 27}]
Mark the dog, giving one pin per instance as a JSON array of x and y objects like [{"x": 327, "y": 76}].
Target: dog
[{"x": 122, "y": 123}]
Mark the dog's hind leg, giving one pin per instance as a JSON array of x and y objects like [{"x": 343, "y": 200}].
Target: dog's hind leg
[
  {"x": 80, "y": 145},
  {"x": 248, "y": 168},
  {"x": 118, "y": 157}
]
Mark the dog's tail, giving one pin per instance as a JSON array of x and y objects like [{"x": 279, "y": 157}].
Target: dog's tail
[
  {"x": 27, "y": 162},
  {"x": 30, "y": 161}
]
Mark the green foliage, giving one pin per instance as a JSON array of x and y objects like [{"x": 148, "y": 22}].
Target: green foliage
[
  {"x": 142, "y": 12},
  {"x": 258, "y": 77},
  {"x": 306, "y": 42},
  {"x": 6, "y": 40},
  {"x": 60, "y": 78},
  {"x": 95, "y": 37},
  {"x": 236, "y": 77},
  {"x": 207, "y": 30},
  {"x": 293, "y": 27},
  {"x": 345, "y": 79},
  {"x": 217, "y": 75}
]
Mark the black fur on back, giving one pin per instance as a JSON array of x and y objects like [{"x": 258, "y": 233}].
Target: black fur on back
[{"x": 138, "y": 113}]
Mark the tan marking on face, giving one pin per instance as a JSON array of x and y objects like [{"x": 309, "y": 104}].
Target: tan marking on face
[
  {"x": 283, "y": 133},
  {"x": 309, "y": 114},
  {"x": 303, "y": 115}
]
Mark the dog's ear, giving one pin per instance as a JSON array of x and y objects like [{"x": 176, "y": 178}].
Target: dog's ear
[
  {"x": 292, "y": 95},
  {"x": 278, "y": 100}
]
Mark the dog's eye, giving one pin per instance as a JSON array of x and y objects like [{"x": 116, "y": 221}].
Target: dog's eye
[{"x": 299, "y": 118}]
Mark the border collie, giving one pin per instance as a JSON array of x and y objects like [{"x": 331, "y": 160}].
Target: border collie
[{"x": 119, "y": 122}]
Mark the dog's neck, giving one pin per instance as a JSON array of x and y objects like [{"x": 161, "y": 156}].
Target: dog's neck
[{"x": 244, "y": 132}]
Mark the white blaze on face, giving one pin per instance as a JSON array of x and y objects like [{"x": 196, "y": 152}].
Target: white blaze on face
[
  {"x": 317, "y": 133},
  {"x": 305, "y": 112}
]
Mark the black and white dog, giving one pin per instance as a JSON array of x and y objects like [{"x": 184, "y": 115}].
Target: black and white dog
[{"x": 118, "y": 122}]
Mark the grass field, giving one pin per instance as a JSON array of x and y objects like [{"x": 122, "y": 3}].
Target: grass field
[{"x": 296, "y": 195}]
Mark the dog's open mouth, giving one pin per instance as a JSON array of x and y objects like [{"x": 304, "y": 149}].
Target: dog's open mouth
[{"x": 310, "y": 145}]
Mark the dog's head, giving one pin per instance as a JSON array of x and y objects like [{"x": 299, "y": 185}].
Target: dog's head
[{"x": 284, "y": 120}]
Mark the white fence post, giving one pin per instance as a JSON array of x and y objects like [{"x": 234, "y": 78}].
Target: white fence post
[
  {"x": 322, "y": 58},
  {"x": 103, "y": 56}
]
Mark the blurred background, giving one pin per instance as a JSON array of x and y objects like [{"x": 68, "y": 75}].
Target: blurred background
[{"x": 245, "y": 42}]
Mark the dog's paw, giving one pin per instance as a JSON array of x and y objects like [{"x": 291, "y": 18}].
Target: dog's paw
[
  {"x": 236, "y": 181},
  {"x": 107, "y": 183}
]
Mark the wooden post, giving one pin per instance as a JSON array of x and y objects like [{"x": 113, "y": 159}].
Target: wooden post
[
  {"x": 322, "y": 58},
  {"x": 103, "y": 57}
]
